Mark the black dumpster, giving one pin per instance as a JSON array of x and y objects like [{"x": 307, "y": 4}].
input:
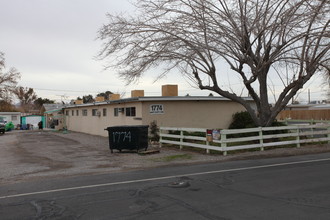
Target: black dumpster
[{"x": 128, "y": 137}]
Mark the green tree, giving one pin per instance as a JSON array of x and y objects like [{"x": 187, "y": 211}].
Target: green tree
[
  {"x": 88, "y": 98},
  {"x": 106, "y": 95},
  {"x": 40, "y": 101},
  {"x": 257, "y": 40}
]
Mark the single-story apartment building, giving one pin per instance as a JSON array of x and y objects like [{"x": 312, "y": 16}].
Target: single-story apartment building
[{"x": 169, "y": 110}]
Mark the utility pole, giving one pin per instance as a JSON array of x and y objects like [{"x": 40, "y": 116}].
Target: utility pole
[{"x": 63, "y": 97}]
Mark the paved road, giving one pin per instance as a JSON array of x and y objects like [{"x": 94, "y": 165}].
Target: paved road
[{"x": 279, "y": 188}]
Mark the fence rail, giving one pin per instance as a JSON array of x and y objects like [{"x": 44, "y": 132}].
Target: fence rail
[{"x": 240, "y": 139}]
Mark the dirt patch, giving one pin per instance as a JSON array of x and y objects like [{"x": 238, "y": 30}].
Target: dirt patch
[{"x": 32, "y": 154}]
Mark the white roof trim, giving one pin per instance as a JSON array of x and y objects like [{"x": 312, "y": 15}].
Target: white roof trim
[{"x": 157, "y": 98}]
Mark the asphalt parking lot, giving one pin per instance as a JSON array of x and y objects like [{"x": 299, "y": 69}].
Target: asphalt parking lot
[
  {"x": 44, "y": 154},
  {"x": 30, "y": 155}
]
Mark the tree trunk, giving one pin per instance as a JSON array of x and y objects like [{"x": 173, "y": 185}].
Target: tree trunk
[{"x": 264, "y": 111}]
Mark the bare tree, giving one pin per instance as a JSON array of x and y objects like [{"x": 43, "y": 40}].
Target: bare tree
[
  {"x": 26, "y": 97},
  {"x": 8, "y": 80},
  {"x": 255, "y": 38}
]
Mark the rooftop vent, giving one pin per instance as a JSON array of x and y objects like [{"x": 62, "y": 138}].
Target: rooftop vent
[
  {"x": 137, "y": 93},
  {"x": 170, "y": 90},
  {"x": 114, "y": 97},
  {"x": 78, "y": 102},
  {"x": 99, "y": 99}
]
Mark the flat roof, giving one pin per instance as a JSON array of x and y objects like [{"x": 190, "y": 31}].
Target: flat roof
[
  {"x": 49, "y": 107},
  {"x": 157, "y": 98},
  {"x": 10, "y": 113},
  {"x": 324, "y": 106},
  {"x": 51, "y": 111}
]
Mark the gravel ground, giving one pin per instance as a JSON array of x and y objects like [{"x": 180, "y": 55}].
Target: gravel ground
[{"x": 28, "y": 155}]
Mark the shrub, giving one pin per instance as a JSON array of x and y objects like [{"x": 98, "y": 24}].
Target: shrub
[
  {"x": 154, "y": 131},
  {"x": 242, "y": 120},
  {"x": 277, "y": 124}
]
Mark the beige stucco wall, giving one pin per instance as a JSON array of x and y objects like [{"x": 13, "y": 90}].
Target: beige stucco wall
[
  {"x": 96, "y": 124},
  {"x": 193, "y": 114}
]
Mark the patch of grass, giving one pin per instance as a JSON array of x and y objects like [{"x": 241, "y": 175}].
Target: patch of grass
[{"x": 173, "y": 157}]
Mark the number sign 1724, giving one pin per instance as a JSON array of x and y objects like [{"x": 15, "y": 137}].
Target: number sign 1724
[{"x": 157, "y": 109}]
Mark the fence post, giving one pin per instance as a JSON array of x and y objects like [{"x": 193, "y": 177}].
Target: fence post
[
  {"x": 311, "y": 123},
  {"x": 261, "y": 140},
  {"x": 207, "y": 143},
  {"x": 298, "y": 137},
  {"x": 328, "y": 133},
  {"x": 181, "y": 139},
  {"x": 223, "y": 144},
  {"x": 160, "y": 138}
]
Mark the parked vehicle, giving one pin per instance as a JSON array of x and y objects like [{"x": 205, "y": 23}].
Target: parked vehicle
[{"x": 2, "y": 125}]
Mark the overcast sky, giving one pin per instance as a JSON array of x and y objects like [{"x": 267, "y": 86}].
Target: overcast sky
[{"x": 53, "y": 44}]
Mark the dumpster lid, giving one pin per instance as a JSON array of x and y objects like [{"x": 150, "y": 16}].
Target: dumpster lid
[{"x": 129, "y": 126}]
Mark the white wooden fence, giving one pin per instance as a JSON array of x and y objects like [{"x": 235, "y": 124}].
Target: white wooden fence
[{"x": 285, "y": 135}]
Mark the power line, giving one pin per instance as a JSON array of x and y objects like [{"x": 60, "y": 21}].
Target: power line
[{"x": 64, "y": 90}]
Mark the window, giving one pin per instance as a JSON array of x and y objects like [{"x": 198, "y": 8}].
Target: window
[
  {"x": 72, "y": 112},
  {"x": 77, "y": 112},
  {"x": 104, "y": 112},
  {"x": 14, "y": 117},
  {"x": 130, "y": 112},
  {"x": 67, "y": 112},
  {"x": 94, "y": 112},
  {"x": 84, "y": 112}
]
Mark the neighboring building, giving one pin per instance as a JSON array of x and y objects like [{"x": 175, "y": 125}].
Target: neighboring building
[
  {"x": 32, "y": 121},
  {"x": 50, "y": 107},
  {"x": 14, "y": 117},
  {"x": 54, "y": 116},
  {"x": 168, "y": 110},
  {"x": 320, "y": 107},
  {"x": 305, "y": 112},
  {"x": 300, "y": 106}
]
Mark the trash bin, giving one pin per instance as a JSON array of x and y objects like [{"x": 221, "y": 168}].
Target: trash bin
[{"x": 128, "y": 137}]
